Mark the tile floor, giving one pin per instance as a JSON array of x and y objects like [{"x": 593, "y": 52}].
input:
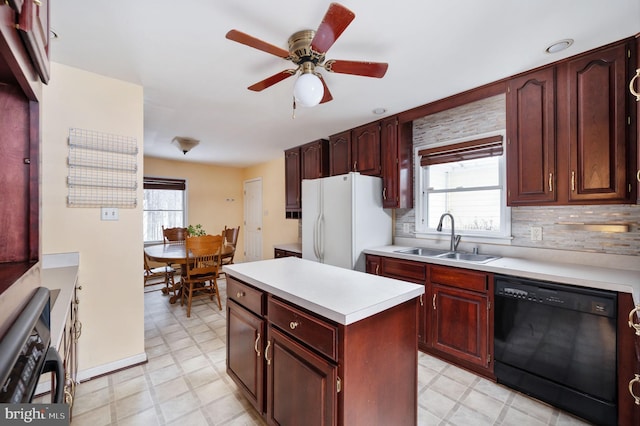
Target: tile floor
[{"x": 184, "y": 382}]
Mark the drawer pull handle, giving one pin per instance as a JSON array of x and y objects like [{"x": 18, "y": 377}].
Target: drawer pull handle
[
  {"x": 433, "y": 302},
  {"x": 293, "y": 325},
  {"x": 631, "y": 89},
  {"x": 240, "y": 294},
  {"x": 255, "y": 345},
  {"x": 633, "y": 325},
  {"x": 636, "y": 379},
  {"x": 573, "y": 180},
  {"x": 266, "y": 352},
  {"x": 550, "y": 182}
]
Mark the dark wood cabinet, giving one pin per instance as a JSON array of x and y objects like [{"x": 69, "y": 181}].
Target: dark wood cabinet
[
  {"x": 454, "y": 321},
  {"x": 340, "y": 153},
  {"x": 310, "y": 369},
  {"x": 569, "y": 139},
  {"x": 531, "y": 138},
  {"x": 33, "y": 25},
  {"x": 20, "y": 90},
  {"x": 597, "y": 125},
  {"x": 292, "y": 181},
  {"x": 308, "y": 161},
  {"x": 365, "y": 149},
  {"x": 396, "y": 142},
  {"x": 356, "y": 150},
  {"x": 628, "y": 361},
  {"x": 277, "y": 253},
  {"x": 246, "y": 337},
  {"x": 460, "y": 314}
]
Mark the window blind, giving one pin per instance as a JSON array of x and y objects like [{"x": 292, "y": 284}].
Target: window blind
[
  {"x": 469, "y": 150},
  {"x": 164, "y": 183}
]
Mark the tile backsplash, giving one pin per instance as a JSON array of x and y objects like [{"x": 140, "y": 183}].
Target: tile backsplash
[{"x": 489, "y": 115}]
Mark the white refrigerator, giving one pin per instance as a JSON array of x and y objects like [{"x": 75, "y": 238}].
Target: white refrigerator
[{"x": 341, "y": 216}]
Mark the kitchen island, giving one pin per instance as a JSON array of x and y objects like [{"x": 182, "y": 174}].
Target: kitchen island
[{"x": 309, "y": 343}]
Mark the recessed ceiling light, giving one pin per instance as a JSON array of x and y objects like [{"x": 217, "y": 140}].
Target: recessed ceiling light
[
  {"x": 379, "y": 111},
  {"x": 559, "y": 45}
]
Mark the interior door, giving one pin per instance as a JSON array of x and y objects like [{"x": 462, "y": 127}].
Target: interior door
[{"x": 253, "y": 220}]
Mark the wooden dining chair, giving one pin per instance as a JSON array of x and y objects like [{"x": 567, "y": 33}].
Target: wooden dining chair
[
  {"x": 174, "y": 235},
  {"x": 165, "y": 272},
  {"x": 231, "y": 238},
  {"x": 202, "y": 269}
]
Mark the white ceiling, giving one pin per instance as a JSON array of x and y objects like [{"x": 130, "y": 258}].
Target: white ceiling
[{"x": 195, "y": 80}]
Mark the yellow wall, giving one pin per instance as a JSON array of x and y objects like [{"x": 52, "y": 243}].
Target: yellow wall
[
  {"x": 112, "y": 305},
  {"x": 209, "y": 187},
  {"x": 276, "y": 229},
  {"x": 214, "y": 193}
]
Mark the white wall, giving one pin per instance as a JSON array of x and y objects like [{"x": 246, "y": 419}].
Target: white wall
[{"x": 111, "y": 301}]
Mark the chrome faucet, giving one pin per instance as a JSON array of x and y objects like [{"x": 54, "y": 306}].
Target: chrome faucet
[{"x": 455, "y": 239}]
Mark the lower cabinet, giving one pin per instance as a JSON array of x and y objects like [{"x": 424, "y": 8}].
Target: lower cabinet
[
  {"x": 460, "y": 314},
  {"x": 454, "y": 314},
  {"x": 309, "y": 370},
  {"x": 285, "y": 253}
]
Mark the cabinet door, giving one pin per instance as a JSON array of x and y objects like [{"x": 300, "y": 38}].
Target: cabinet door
[
  {"x": 314, "y": 159},
  {"x": 245, "y": 343},
  {"x": 390, "y": 163},
  {"x": 340, "y": 153},
  {"x": 531, "y": 142},
  {"x": 365, "y": 150},
  {"x": 301, "y": 386},
  {"x": 292, "y": 179},
  {"x": 372, "y": 264},
  {"x": 597, "y": 93},
  {"x": 460, "y": 324}
]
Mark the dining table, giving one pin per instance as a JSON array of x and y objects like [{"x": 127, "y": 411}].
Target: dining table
[{"x": 172, "y": 254}]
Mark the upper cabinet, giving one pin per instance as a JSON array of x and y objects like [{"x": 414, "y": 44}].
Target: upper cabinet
[
  {"x": 382, "y": 148},
  {"x": 33, "y": 25},
  {"x": 568, "y": 132},
  {"x": 396, "y": 141},
  {"x": 308, "y": 161},
  {"x": 356, "y": 150}
]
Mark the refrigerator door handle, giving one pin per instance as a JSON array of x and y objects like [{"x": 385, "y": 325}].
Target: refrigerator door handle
[
  {"x": 321, "y": 238},
  {"x": 315, "y": 237}
]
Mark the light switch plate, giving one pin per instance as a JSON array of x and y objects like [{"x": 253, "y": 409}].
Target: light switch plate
[{"x": 109, "y": 213}]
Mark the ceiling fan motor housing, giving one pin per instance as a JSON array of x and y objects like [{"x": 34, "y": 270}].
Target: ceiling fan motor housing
[{"x": 300, "y": 48}]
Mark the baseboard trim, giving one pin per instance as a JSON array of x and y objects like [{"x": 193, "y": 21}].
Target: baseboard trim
[{"x": 111, "y": 367}]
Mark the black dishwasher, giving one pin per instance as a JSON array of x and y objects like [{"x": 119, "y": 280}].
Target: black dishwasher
[{"x": 558, "y": 343}]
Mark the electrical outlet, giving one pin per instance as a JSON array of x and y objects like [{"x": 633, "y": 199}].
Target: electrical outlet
[
  {"x": 536, "y": 233},
  {"x": 109, "y": 213},
  {"x": 405, "y": 228}
]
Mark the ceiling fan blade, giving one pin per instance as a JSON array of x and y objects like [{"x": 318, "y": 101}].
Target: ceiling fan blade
[
  {"x": 251, "y": 41},
  {"x": 327, "y": 94},
  {"x": 367, "y": 69},
  {"x": 335, "y": 21},
  {"x": 270, "y": 81}
]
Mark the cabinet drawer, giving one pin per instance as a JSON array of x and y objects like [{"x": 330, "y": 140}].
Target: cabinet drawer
[
  {"x": 245, "y": 295},
  {"x": 462, "y": 278},
  {"x": 406, "y": 270},
  {"x": 316, "y": 333}
]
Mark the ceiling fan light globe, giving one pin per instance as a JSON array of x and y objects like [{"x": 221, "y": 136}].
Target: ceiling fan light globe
[{"x": 308, "y": 90}]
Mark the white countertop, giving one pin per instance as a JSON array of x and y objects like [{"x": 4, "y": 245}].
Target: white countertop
[
  {"x": 338, "y": 294},
  {"x": 614, "y": 279}
]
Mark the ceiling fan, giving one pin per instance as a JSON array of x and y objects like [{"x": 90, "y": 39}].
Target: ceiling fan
[{"x": 307, "y": 49}]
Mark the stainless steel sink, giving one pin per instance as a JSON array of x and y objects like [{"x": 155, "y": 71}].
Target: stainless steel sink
[
  {"x": 468, "y": 257},
  {"x": 422, "y": 251}
]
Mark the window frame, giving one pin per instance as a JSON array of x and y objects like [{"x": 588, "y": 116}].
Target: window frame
[
  {"x": 166, "y": 183},
  {"x": 421, "y": 208}
]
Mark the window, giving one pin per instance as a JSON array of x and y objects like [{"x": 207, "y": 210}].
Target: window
[
  {"x": 466, "y": 179},
  {"x": 164, "y": 204}
]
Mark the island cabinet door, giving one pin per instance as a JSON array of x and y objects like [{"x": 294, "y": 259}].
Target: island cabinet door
[
  {"x": 245, "y": 349},
  {"x": 301, "y": 385}
]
